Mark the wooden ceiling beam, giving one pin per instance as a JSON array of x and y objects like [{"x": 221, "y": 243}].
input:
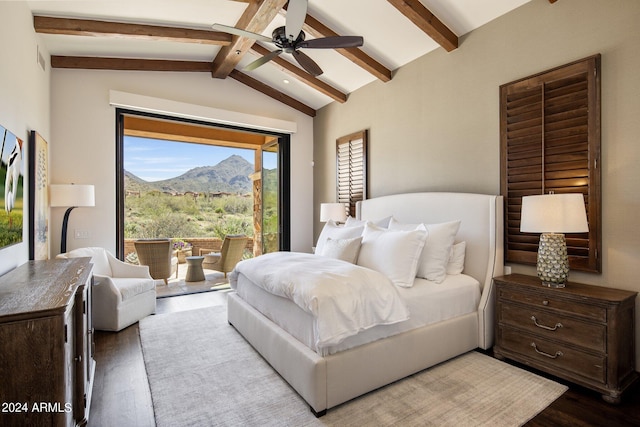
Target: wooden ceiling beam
[
  {"x": 256, "y": 17},
  {"x": 357, "y": 56},
  {"x": 271, "y": 92},
  {"x": 82, "y": 27},
  {"x": 85, "y": 27},
  {"x": 127, "y": 64},
  {"x": 302, "y": 75},
  {"x": 427, "y": 22}
]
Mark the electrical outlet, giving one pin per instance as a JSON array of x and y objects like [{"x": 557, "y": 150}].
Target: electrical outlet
[
  {"x": 81, "y": 234},
  {"x": 507, "y": 269}
]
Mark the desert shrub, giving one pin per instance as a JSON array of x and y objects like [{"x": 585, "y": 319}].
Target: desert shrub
[{"x": 156, "y": 214}]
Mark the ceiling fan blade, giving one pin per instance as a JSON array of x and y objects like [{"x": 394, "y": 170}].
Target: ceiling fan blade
[
  {"x": 242, "y": 33},
  {"x": 261, "y": 61},
  {"x": 296, "y": 13},
  {"x": 307, "y": 63},
  {"x": 333, "y": 42}
]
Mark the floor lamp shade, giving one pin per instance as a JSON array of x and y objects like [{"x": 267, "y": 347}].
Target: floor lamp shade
[
  {"x": 70, "y": 196},
  {"x": 553, "y": 215},
  {"x": 333, "y": 211}
]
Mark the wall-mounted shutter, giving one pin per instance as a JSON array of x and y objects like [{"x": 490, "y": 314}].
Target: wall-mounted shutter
[
  {"x": 550, "y": 141},
  {"x": 351, "y": 169}
]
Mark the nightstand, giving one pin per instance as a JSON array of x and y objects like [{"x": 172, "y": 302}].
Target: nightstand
[{"x": 581, "y": 333}]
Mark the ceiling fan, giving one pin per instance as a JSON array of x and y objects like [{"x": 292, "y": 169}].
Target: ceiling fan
[{"x": 291, "y": 38}]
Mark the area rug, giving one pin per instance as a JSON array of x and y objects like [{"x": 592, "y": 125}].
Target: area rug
[{"x": 203, "y": 373}]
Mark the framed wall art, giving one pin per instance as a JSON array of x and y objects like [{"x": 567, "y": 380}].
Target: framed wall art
[
  {"x": 11, "y": 182},
  {"x": 38, "y": 197}
]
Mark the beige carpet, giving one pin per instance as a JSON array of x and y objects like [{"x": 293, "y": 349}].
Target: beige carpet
[{"x": 202, "y": 373}]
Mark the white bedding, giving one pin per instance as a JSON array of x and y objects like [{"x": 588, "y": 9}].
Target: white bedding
[
  {"x": 342, "y": 299},
  {"x": 428, "y": 303}
]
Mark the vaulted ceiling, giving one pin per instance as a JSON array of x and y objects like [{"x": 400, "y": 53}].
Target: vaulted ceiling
[{"x": 176, "y": 35}]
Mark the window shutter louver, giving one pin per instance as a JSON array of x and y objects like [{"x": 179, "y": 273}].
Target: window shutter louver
[
  {"x": 550, "y": 141},
  {"x": 351, "y": 162}
]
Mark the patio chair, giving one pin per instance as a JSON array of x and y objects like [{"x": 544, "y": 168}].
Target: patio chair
[
  {"x": 122, "y": 293},
  {"x": 157, "y": 254},
  {"x": 231, "y": 252}
]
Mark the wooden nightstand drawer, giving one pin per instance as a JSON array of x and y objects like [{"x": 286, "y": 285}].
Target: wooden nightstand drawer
[
  {"x": 554, "y": 355},
  {"x": 582, "y": 333},
  {"x": 551, "y": 302},
  {"x": 554, "y": 326}
]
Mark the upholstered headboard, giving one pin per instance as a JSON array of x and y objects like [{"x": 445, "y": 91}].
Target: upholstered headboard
[{"x": 481, "y": 228}]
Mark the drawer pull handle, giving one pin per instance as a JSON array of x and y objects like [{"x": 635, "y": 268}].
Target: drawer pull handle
[
  {"x": 545, "y": 302},
  {"x": 548, "y": 328},
  {"x": 551, "y": 356}
]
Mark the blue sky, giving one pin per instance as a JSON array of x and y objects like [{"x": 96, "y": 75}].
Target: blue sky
[{"x": 155, "y": 160}]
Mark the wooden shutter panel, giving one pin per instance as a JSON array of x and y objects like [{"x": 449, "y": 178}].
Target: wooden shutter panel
[
  {"x": 550, "y": 141},
  {"x": 351, "y": 168}
]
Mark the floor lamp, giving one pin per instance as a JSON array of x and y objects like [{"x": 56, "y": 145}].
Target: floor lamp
[{"x": 70, "y": 196}]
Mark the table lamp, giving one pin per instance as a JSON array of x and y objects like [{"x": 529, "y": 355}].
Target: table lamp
[
  {"x": 553, "y": 215},
  {"x": 333, "y": 211},
  {"x": 71, "y": 196}
]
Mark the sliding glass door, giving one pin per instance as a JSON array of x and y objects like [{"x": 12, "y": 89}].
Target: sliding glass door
[
  {"x": 275, "y": 203},
  {"x": 270, "y": 202},
  {"x": 269, "y": 195}
]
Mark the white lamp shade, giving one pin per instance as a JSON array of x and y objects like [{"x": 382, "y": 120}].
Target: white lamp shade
[
  {"x": 333, "y": 211},
  {"x": 554, "y": 213},
  {"x": 71, "y": 195}
]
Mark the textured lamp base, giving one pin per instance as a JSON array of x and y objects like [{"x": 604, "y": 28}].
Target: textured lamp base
[{"x": 553, "y": 261}]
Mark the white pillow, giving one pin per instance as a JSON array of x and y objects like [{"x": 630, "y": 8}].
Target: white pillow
[
  {"x": 344, "y": 249},
  {"x": 393, "y": 253},
  {"x": 394, "y": 224},
  {"x": 437, "y": 249},
  {"x": 456, "y": 258},
  {"x": 435, "y": 255},
  {"x": 334, "y": 231},
  {"x": 352, "y": 222}
]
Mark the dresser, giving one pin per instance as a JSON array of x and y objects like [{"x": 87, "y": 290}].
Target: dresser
[
  {"x": 46, "y": 344},
  {"x": 581, "y": 333}
]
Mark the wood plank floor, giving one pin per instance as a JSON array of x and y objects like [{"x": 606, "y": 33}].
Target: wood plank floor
[{"x": 121, "y": 395}]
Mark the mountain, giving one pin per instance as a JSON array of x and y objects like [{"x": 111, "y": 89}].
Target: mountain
[{"x": 230, "y": 175}]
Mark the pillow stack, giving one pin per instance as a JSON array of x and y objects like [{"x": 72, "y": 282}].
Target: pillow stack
[
  {"x": 437, "y": 250},
  {"x": 335, "y": 232},
  {"x": 393, "y": 253},
  {"x": 402, "y": 251}
]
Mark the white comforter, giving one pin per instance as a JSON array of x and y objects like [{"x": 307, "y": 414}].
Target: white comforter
[{"x": 343, "y": 298}]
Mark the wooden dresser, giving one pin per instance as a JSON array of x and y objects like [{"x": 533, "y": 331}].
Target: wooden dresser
[
  {"x": 46, "y": 344},
  {"x": 581, "y": 333}
]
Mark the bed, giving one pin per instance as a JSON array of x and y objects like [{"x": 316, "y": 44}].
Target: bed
[{"x": 325, "y": 379}]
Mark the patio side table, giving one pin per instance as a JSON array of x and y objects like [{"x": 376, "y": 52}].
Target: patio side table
[{"x": 194, "y": 269}]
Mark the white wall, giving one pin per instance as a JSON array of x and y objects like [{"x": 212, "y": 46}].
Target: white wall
[
  {"x": 435, "y": 126},
  {"x": 83, "y": 141},
  {"x": 24, "y": 99}
]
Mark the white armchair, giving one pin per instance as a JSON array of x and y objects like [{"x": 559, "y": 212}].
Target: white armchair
[{"x": 122, "y": 293}]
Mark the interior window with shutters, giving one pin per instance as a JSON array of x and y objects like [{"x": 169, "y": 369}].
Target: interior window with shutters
[
  {"x": 550, "y": 142},
  {"x": 351, "y": 169}
]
